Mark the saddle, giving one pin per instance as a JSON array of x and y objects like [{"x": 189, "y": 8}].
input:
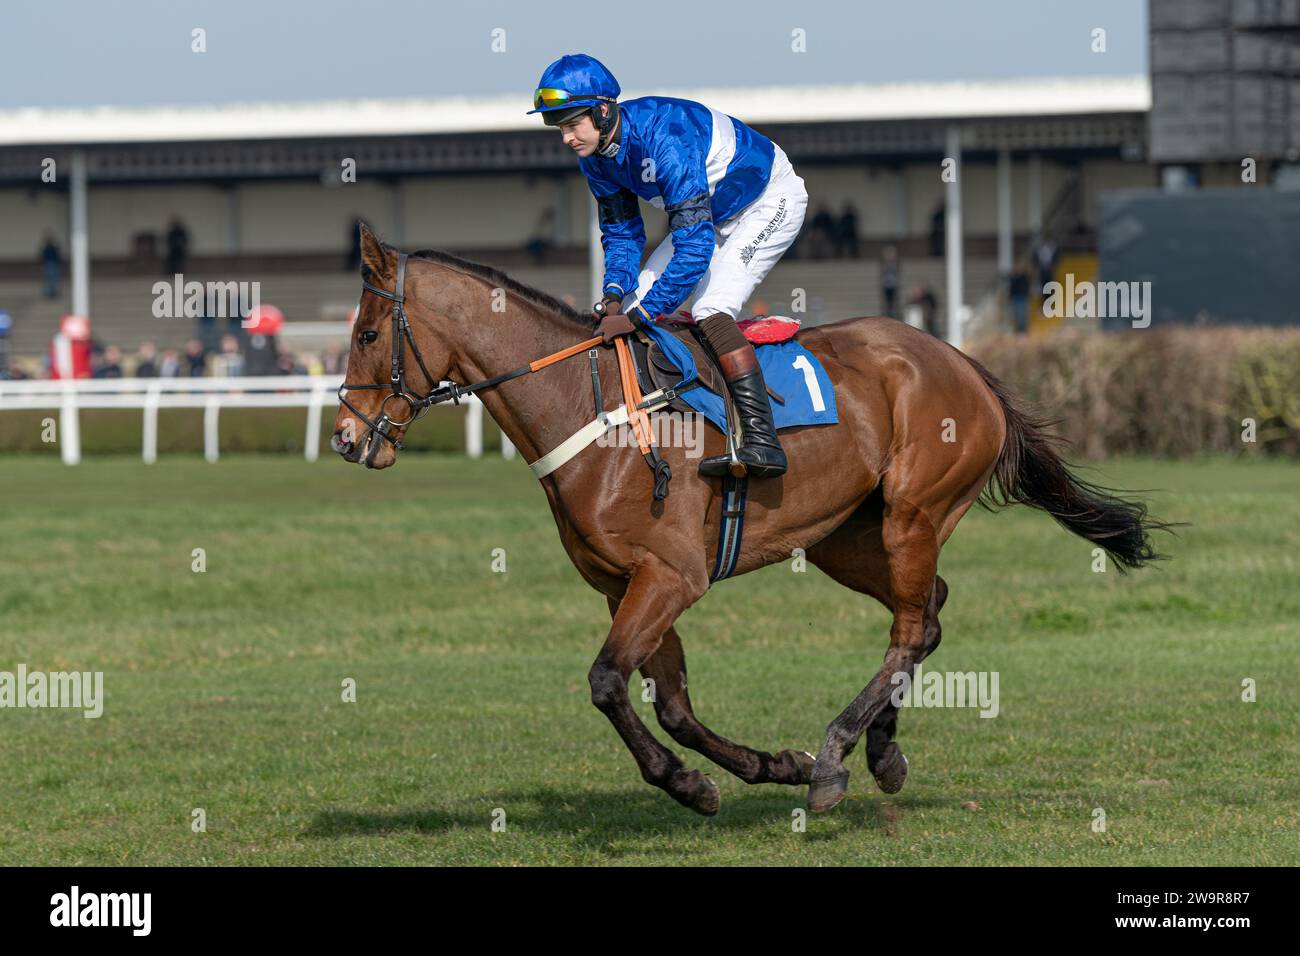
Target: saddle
[{"x": 655, "y": 370}]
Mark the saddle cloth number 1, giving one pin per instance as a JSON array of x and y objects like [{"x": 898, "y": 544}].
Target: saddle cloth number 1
[{"x": 810, "y": 379}]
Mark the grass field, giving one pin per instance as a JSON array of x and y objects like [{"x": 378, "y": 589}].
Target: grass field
[{"x": 223, "y": 688}]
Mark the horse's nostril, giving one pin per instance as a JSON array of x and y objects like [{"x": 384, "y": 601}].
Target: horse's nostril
[{"x": 339, "y": 445}]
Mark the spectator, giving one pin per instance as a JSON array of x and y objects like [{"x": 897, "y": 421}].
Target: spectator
[
  {"x": 229, "y": 362},
  {"x": 261, "y": 355},
  {"x": 846, "y": 232},
  {"x": 171, "y": 364},
  {"x": 146, "y": 361},
  {"x": 796, "y": 250},
  {"x": 1018, "y": 295},
  {"x": 110, "y": 364},
  {"x": 889, "y": 280},
  {"x": 821, "y": 233},
  {"x": 72, "y": 352},
  {"x": 51, "y": 266},
  {"x": 178, "y": 247},
  {"x": 196, "y": 359},
  {"x": 923, "y": 296},
  {"x": 543, "y": 237},
  {"x": 937, "y": 238},
  {"x": 1045, "y": 260}
]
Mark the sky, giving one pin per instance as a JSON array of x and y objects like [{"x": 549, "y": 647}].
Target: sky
[{"x": 59, "y": 53}]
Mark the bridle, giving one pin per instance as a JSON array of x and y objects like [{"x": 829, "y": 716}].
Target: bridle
[
  {"x": 402, "y": 334},
  {"x": 416, "y": 403}
]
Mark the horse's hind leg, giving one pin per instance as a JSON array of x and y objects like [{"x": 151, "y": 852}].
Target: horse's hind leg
[
  {"x": 910, "y": 546},
  {"x": 667, "y": 669},
  {"x": 854, "y": 555},
  {"x": 887, "y": 762}
]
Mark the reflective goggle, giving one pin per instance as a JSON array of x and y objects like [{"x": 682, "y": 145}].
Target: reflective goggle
[{"x": 547, "y": 97}]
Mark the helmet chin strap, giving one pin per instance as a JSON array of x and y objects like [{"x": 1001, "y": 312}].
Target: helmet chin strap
[{"x": 607, "y": 146}]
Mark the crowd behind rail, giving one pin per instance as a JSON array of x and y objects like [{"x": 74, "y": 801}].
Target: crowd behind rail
[{"x": 233, "y": 356}]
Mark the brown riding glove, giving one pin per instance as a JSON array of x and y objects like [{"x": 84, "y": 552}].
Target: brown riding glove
[
  {"x": 612, "y": 326},
  {"x": 614, "y": 322}
]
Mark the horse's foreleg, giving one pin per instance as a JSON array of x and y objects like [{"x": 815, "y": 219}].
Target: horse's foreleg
[
  {"x": 912, "y": 550},
  {"x": 666, "y": 669},
  {"x": 656, "y": 594}
]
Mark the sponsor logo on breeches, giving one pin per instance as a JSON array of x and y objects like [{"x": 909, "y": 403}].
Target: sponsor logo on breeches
[{"x": 747, "y": 253}]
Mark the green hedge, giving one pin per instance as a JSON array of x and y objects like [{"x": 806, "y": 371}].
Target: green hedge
[{"x": 1172, "y": 393}]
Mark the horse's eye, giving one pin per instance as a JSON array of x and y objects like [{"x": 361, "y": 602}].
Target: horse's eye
[{"x": 369, "y": 336}]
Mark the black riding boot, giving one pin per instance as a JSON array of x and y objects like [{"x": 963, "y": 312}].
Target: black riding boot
[{"x": 759, "y": 449}]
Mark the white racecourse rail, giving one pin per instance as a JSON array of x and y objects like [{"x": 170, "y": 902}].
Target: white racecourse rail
[{"x": 312, "y": 392}]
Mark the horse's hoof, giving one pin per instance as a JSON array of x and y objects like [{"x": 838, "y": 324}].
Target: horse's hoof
[
  {"x": 801, "y": 763},
  {"x": 693, "y": 789},
  {"x": 825, "y": 793},
  {"x": 891, "y": 770}
]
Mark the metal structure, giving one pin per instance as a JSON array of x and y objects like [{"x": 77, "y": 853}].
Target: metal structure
[
  {"x": 1090, "y": 116},
  {"x": 1225, "y": 80}
]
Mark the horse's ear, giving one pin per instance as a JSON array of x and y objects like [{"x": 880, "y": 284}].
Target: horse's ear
[{"x": 374, "y": 254}]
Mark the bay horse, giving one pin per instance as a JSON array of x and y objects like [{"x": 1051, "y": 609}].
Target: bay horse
[{"x": 923, "y": 431}]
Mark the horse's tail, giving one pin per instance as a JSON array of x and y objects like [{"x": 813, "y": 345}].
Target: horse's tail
[{"x": 1029, "y": 471}]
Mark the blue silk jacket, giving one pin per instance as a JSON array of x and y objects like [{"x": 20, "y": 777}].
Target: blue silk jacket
[{"x": 698, "y": 165}]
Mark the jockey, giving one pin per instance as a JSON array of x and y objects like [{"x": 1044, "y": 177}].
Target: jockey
[{"x": 734, "y": 206}]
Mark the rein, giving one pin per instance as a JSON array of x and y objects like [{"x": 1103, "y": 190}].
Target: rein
[{"x": 417, "y": 403}]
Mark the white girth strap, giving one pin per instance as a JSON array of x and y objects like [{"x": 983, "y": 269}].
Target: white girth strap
[{"x": 588, "y": 433}]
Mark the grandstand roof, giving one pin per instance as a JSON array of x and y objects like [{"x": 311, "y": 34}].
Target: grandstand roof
[{"x": 1051, "y": 96}]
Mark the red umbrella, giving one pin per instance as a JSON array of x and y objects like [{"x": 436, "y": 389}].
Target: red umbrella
[{"x": 264, "y": 320}]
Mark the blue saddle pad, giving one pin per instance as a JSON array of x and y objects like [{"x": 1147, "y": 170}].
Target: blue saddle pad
[{"x": 789, "y": 369}]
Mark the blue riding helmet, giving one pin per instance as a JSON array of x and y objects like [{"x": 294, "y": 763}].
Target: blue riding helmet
[{"x": 572, "y": 84}]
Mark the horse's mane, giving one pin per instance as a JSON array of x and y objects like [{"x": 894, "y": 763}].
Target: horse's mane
[{"x": 498, "y": 278}]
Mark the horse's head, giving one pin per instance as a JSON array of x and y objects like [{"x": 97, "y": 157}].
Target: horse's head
[{"x": 396, "y": 359}]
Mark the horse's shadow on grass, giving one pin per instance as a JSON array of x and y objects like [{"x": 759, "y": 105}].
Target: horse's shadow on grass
[{"x": 593, "y": 817}]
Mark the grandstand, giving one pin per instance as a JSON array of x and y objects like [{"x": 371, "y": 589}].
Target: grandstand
[{"x": 258, "y": 189}]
